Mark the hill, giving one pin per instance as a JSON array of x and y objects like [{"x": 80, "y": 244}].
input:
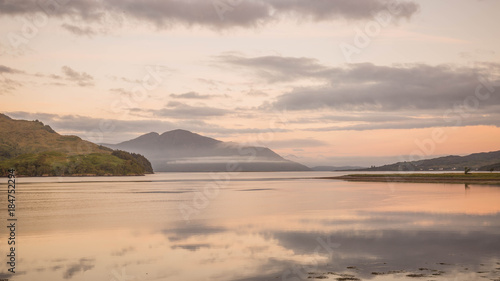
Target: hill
[
  {"x": 184, "y": 151},
  {"x": 35, "y": 149},
  {"x": 492, "y": 167},
  {"x": 477, "y": 161}
]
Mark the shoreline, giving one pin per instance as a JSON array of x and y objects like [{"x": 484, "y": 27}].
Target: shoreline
[
  {"x": 82, "y": 176},
  {"x": 481, "y": 178}
]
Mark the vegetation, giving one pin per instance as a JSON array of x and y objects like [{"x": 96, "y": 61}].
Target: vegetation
[
  {"x": 432, "y": 175},
  {"x": 491, "y": 168},
  {"x": 34, "y": 149},
  {"x": 476, "y": 161},
  {"x": 486, "y": 178}
]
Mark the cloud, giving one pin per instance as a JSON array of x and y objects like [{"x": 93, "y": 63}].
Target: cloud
[
  {"x": 123, "y": 251},
  {"x": 183, "y": 233},
  {"x": 280, "y": 69},
  {"x": 191, "y": 247},
  {"x": 361, "y": 96},
  {"x": 437, "y": 121},
  {"x": 294, "y": 143},
  {"x": 180, "y": 110},
  {"x": 82, "y": 79},
  {"x": 100, "y": 130},
  {"x": 190, "y": 95},
  {"x": 8, "y": 70},
  {"x": 121, "y": 91},
  {"x": 83, "y": 265},
  {"x": 366, "y": 86},
  {"x": 220, "y": 14},
  {"x": 79, "y": 31},
  {"x": 8, "y": 85},
  {"x": 257, "y": 93}
]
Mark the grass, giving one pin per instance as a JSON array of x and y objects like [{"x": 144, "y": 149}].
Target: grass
[
  {"x": 486, "y": 178},
  {"x": 433, "y": 175}
]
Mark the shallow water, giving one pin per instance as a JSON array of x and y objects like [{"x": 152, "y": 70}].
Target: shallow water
[{"x": 251, "y": 226}]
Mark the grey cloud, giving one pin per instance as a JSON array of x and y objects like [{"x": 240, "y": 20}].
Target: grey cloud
[
  {"x": 190, "y": 95},
  {"x": 79, "y": 31},
  {"x": 328, "y": 9},
  {"x": 120, "y": 91},
  {"x": 123, "y": 251},
  {"x": 9, "y": 70},
  {"x": 191, "y": 247},
  {"x": 125, "y": 92},
  {"x": 213, "y": 14},
  {"x": 365, "y": 87},
  {"x": 180, "y": 110},
  {"x": 257, "y": 93},
  {"x": 83, "y": 265},
  {"x": 84, "y": 123},
  {"x": 451, "y": 118},
  {"x": 185, "y": 232},
  {"x": 353, "y": 117},
  {"x": 292, "y": 143},
  {"x": 82, "y": 79},
  {"x": 280, "y": 69},
  {"x": 115, "y": 131},
  {"x": 8, "y": 85},
  {"x": 381, "y": 97}
]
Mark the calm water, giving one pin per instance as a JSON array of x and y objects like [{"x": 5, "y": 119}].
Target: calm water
[{"x": 251, "y": 226}]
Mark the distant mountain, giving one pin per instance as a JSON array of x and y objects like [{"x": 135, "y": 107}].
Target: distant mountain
[
  {"x": 477, "y": 161},
  {"x": 336, "y": 168},
  {"x": 492, "y": 167},
  {"x": 184, "y": 151},
  {"x": 34, "y": 149}
]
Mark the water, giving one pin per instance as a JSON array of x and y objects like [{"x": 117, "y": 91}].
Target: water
[{"x": 251, "y": 226}]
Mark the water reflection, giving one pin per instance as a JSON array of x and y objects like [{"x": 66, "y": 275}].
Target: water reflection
[{"x": 282, "y": 230}]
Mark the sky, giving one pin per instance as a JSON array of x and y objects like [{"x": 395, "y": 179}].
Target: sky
[{"x": 321, "y": 82}]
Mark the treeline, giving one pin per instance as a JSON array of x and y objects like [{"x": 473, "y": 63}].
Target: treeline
[
  {"x": 59, "y": 164},
  {"x": 134, "y": 157}
]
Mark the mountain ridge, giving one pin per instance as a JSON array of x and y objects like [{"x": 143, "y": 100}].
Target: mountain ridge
[
  {"x": 35, "y": 149},
  {"x": 481, "y": 161},
  {"x": 184, "y": 151}
]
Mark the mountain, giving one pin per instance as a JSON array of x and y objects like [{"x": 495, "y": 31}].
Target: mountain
[
  {"x": 35, "y": 149},
  {"x": 478, "y": 161},
  {"x": 491, "y": 167},
  {"x": 184, "y": 151}
]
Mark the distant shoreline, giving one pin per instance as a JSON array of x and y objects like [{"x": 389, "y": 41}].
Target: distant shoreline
[
  {"x": 480, "y": 178},
  {"x": 81, "y": 176}
]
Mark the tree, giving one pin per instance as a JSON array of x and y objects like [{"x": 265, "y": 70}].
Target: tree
[{"x": 467, "y": 170}]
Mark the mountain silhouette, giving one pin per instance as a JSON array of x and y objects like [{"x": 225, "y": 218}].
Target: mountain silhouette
[{"x": 184, "y": 151}]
